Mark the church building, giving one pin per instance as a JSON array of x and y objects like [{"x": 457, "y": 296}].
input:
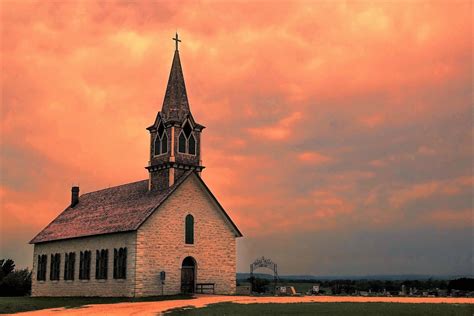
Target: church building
[{"x": 164, "y": 235}]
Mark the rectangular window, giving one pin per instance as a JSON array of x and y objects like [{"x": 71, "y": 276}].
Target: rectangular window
[
  {"x": 101, "y": 262},
  {"x": 55, "y": 266},
  {"x": 69, "y": 263},
  {"x": 41, "y": 269},
  {"x": 120, "y": 263},
  {"x": 85, "y": 265}
]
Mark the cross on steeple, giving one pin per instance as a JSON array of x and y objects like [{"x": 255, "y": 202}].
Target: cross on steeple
[{"x": 176, "y": 39}]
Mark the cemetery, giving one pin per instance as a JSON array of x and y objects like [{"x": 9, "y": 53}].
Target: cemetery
[{"x": 274, "y": 285}]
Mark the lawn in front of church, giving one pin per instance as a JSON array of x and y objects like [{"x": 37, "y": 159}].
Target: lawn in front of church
[
  {"x": 10, "y": 305},
  {"x": 352, "y": 309}
]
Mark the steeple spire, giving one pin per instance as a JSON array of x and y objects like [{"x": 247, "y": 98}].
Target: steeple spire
[
  {"x": 175, "y": 137},
  {"x": 175, "y": 104}
]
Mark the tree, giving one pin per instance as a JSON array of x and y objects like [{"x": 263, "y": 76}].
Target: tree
[
  {"x": 463, "y": 284},
  {"x": 258, "y": 285},
  {"x": 6, "y": 267},
  {"x": 13, "y": 282},
  {"x": 16, "y": 283}
]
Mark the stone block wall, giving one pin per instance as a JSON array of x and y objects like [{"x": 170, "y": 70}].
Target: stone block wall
[
  {"x": 92, "y": 287},
  {"x": 161, "y": 244},
  {"x": 160, "y": 179}
]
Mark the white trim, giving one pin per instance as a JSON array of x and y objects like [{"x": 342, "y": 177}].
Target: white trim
[
  {"x": 190, "y": 124},
  {"x": 154, "y": 143},
  {"x": 186, "y": 144},
  {"x": 195, "y": 144}
]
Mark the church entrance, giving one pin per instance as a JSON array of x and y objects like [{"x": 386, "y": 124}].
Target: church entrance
[{"x": 188, "y": 275}]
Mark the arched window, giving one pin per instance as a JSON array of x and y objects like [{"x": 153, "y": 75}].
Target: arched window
[
  {"x": 161, "y": 141},
  {"x": 192, "y": 145},
  {"x": 189, "y": 230},
  {"x": 157, "y": 146},
  {"x": 164, "y": 144},
  {"x": 187, "y": 142},
  {"x": 182, "y": 143}
]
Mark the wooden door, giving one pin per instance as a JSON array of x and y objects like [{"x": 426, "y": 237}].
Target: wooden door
[{"x": 187, "y": 279}]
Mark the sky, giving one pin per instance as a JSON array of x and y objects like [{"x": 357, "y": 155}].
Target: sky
[{"x": 339, "y": 133}]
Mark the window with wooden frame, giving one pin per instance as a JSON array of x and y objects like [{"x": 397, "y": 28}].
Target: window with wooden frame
[
  {"x": 189, "y": 229},
  {"x": 41, "y": 269},
  {"x": 160, "y": 145},
  {"x": 85, "y": 265},
  {"x": 120, "y": 263},
  {"x": 55, "y": 267},
  {"x": 101, "y": 262},
  {"x": 69, "y": 263}
]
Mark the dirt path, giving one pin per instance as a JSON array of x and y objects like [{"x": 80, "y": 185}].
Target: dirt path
[{"x": 154, "y": 308}]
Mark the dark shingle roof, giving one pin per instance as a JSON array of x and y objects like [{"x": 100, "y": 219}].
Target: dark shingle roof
[
  {"x": 112, "y": 210},
  {"x": 117, "y": 209},
  {"x": 175, "y": 104}
]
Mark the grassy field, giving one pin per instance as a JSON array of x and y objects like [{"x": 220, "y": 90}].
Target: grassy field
[
  {"x": 350, "y": 309},
  {"x": 22, "y": 304}
]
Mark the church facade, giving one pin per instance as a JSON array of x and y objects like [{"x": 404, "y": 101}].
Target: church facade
[{"x": 164, "y": 235}]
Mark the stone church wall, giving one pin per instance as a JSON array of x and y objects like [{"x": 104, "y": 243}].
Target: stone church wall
[
  {"x": 161, "y": 244},
  {"x": 160, "y": 179},
  {"x": 92, "y": 287}
]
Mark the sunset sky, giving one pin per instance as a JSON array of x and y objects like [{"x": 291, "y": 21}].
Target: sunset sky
[{"x": 339, "y": 133}]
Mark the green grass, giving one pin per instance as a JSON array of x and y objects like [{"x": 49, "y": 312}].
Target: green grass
[
  {"x": 10, "y": 305},
  {"x": 350, "y": 309}
]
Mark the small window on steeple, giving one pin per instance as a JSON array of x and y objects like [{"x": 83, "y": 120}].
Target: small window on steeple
[
  {"x": 187, "y": 129},
  {"x": 187, "y": 141},
  {"x": 182, "y": 143},
  {"x": 164, "y": 143},
  {"x": 161, "y": 141},
  {"x": 192, "y": 145},
  {"x": 161, "y": 129},
  {"x": 158, "y": 150}
]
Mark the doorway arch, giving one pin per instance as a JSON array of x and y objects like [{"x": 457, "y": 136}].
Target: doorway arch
[{"x": 188, "y": 275}]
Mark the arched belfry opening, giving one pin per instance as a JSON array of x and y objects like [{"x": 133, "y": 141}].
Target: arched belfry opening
[{"x": 188, "y": 275}]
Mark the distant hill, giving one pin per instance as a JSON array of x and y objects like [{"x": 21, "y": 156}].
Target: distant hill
[{"x": 384, "y": 277}]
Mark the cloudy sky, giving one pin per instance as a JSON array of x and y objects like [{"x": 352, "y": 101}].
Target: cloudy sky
[{"x": 339, "y": 134}]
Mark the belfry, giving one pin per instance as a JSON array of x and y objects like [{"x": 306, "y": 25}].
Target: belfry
[{"x": 175, "y": 137}]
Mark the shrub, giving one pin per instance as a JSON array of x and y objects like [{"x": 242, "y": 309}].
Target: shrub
[{"x": 14, "y": 282}]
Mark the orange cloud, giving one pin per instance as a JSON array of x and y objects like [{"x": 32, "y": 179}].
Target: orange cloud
[
  {"x": 368, "y": 88},
  {"x": 372, "y": 121},
  {"x": 329, "y": 205},
  {"x": 282, "y": 130},
  {"x": 428, "y": 189},
  {"x": 313, "y": 158},
  {"x": 378, "y": 163}
]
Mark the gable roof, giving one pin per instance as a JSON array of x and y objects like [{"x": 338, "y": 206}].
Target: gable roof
[
  {"x": 227, "y": 217},
  {"x": 118, "y": 209}
]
